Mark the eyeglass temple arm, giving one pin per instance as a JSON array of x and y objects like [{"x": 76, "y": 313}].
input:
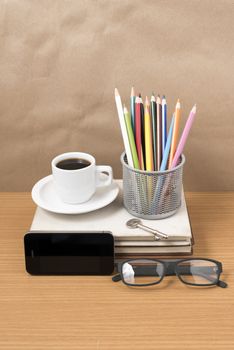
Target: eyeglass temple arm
[
  {"x": 222, "y": 284},
  {"x": 116, "y": 278}
]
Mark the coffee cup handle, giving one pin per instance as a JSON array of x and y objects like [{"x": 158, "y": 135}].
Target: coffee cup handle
[{"x": 101, "y": 180}]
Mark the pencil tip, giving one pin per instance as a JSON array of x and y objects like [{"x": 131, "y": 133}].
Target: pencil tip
[
  {"x": 152, "y": 98},
  {"x": 116, "y": 92},
  {"x": 178, "y": 104},
  {"x": 132, "y": 92},
  {"x": 146, "y": 100},
  {"x": 153, "y": 94},
  {"x": 139, "y": 94}
]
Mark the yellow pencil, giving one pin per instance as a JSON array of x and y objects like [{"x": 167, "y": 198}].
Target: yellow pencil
[
  {"x": 148, "y": 138},
  {"x": 175, "y": 133}
]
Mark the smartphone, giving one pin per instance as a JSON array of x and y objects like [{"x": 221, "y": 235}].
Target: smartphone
[{"x": 69, "y": 253}]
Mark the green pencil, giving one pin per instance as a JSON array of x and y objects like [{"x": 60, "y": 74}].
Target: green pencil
[{"x": 131, "y": 138}]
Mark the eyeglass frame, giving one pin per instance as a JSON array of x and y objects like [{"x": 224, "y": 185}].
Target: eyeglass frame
[{"x": 174, "y": 264}]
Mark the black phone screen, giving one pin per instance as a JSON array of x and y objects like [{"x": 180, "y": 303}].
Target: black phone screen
[{"x": 81, "y": 253}]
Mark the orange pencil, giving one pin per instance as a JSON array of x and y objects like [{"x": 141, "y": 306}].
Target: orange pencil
[{"x": 175, "y": 133}]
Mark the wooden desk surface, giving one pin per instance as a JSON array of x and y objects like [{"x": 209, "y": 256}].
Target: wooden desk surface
[{"x": 95, "y": 313}]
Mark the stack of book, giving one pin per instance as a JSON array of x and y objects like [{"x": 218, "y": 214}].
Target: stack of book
[{"x": 128, "y": 241}]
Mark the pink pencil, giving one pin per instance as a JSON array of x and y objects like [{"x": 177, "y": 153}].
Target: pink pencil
[{"x": 184, "y": 136}]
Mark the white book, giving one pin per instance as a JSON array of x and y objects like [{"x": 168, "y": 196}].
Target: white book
[
  {"x": 154, "y": 243},
  {"x": 113, "y": 218},
  {"x": 153, "y": 250}
]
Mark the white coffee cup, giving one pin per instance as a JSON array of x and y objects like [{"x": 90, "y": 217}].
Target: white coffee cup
[{"x": 79, "y": 185}]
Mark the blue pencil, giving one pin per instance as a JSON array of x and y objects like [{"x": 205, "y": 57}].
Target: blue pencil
[
  {"x": 164, "y": 123},
  {"x": 168, "y": 146}
]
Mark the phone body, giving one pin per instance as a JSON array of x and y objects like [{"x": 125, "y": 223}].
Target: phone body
[{"x": 69, "y": 253}]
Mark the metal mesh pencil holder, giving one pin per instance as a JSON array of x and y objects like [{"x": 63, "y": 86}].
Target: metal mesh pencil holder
[{"x": 152, "y": 195}]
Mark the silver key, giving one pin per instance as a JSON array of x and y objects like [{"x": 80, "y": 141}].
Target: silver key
[{"x": 136, "y": 223}]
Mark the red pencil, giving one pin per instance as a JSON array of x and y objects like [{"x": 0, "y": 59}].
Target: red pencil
[{"x": 138, "y": 132}]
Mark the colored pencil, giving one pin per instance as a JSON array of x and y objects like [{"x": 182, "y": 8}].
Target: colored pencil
[
  {"x": 131, "y": 138},
  {"x": 154, "y": 129},
  {"x": 163, "y": 166},
  {"x": 148, "y": 138},
  {"x": 123, "y": 128},
  {"x": 175, "y": 133},
  {"x": 133, "y": 98},
  {"x": 164, "y": 123},
  {"x": 138, "y": 132},
  {"x": 184, "y": 136},
  {"x": 142, "y": 129},
  {"x": 159, "y": 132}
]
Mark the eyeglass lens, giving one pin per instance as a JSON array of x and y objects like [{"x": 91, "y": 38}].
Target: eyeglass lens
[
  {"x": 200, "y": 272},
  {"x": 142, "y": 272}
]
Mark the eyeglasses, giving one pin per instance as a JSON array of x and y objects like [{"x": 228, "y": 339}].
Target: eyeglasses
[{"x": 146, "y": 272}]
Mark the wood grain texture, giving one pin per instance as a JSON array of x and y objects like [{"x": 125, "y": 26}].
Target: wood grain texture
[{"x": 94, "y": 313}]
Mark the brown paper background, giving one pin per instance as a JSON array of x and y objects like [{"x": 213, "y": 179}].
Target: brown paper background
[{"x": 61, "y": 60}]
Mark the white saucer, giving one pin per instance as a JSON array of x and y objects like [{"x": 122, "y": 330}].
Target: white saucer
[{"x": 45, "y": 196}]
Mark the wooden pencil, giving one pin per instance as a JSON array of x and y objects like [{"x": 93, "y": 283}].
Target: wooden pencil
[
  {"x": 184, "y": 136},
  {"x": 131, "y": 139},
  {"x": 175, "y": 134},
  {"x": 154, "y": 129},
  {"x": 138, "y": 132},
  {"x": 164, "y": 123},
  {"x": 123, "y": 128},
  {"x": 142, "y": 128},
  {"x": 163, "y": 166},
  {"x": 159, "y": 132},
  {"x": 132, "y": 99},
  {"x": 148, "y": 138}
]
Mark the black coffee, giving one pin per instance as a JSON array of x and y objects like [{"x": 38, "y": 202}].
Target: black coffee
[{"x": 73, "y": 164}]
